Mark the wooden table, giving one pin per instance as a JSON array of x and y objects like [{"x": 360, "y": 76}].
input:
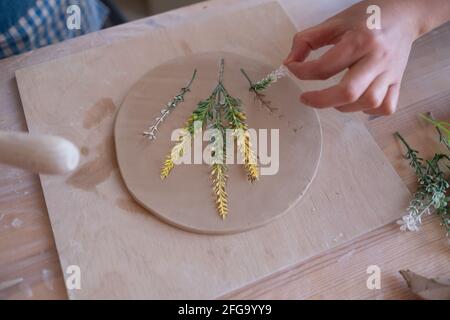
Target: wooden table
[{"x": 27, "y": 250}]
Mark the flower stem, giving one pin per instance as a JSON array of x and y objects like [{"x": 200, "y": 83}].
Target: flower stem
[
  {"x": 248, "y": 79},
  {"x": 188, "y": 86},
  {"x": 165, "y": 112},
  {"x": 221, "y": 70},
  {"x": 398, "y": 135}
]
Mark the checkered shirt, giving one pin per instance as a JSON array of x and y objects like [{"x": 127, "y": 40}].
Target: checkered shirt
[{"x": 45, "y": 23}]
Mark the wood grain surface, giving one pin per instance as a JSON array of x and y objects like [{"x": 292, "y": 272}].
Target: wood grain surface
[
  {"x": 106, "y": 241},
  {"x": 27, "y": 249}
]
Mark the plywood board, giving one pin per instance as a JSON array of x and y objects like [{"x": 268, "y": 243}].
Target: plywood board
[{"x": 123, "y": 251}]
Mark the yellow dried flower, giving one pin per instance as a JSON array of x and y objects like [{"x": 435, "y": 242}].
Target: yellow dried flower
[
  {"x": 175, "y": 154},
  {"x": 219, "y": 177},
  {"x": 248, "y": 153}
]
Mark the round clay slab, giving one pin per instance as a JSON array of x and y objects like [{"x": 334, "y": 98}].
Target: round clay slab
[{"x": 185, "y": 199}]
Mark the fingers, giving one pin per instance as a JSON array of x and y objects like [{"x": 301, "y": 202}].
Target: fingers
[
  {"x": 310, "y": 39},
  {"x": 354, "y": 83},
  {"x": 389, "y": 104},
  {"x": 338, "y": 58},
  {"x": 372, "y": 98}
]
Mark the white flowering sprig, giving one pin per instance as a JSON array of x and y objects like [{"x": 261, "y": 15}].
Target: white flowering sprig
[
  {"x": 150, "y": 133},
  {"x": 418, "y": 207},
  {"x": 259, "y": 87},
  {"x": 431, "y": 194},
  {"x": 270, "y": 79}
]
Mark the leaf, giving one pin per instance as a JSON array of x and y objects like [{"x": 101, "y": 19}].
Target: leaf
[{"x": 429, "y": 289}]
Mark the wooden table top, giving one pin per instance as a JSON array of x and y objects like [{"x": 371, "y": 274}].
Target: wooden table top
[{"x": 29, "y": 264}]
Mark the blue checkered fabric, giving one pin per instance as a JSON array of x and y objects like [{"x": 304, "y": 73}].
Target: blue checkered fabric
[{"x": 44, "y": 23}]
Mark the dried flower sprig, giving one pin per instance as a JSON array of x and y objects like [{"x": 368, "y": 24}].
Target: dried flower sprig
[
  {"x": 199, "y": 114},
  {"x": 237, "y": 118},
  {"x": 259, "y": 87},
  {"x": 218, "y": 166},
  {"x": 219, "y": 177},
  {"x": 270, "y": 79},
  {"x": 237, "y": 121},
  {"x": 220, "y": 111},
  {"x": 150, "y": 133},
  {"x": 431, "y": 194}
]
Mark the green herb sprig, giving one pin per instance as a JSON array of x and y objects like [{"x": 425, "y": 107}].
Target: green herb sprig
[
  {"x": 443, "y": 129},
  {"x": 220, "y": 111},
  {"x": 259, "y": 87},
  {"x": 150, "y": 133},
  {"x": 431, "y": 195}
]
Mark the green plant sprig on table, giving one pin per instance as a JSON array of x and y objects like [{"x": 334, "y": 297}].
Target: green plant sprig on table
[
  {"x": 443, "y": 129},
  {"x": 220, "y": 111},
  {"x": 431, "y": 195}
]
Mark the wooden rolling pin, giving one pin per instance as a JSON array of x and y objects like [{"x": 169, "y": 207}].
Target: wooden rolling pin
[{"x": 38, "y": 153}]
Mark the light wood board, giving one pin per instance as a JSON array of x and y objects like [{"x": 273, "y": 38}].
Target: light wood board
[
  {"x": 123, "y": 251},
  {"x": 294, "y": 129}
]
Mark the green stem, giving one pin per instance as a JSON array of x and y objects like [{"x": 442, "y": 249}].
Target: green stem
[
  {"x": 398, "y": 135},
  {"x": 221, "y": 70},
  {"x": 438, "y": 124},
  {"x": 188, "y": 86},
  {"x": 411, "y": 154},
  {"x": 248, "y": 79}
]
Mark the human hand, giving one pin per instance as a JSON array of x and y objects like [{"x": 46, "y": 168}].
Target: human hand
[{"x": 376, "y": 59}]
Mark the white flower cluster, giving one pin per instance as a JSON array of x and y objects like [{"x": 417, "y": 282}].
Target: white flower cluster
[
  {"x": 413, "y": 219},
  {"x": 277, "y": 74},
  {"x": 409, "y": 222}
]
